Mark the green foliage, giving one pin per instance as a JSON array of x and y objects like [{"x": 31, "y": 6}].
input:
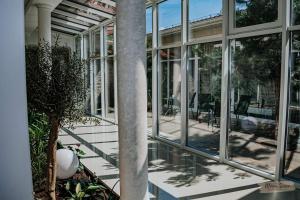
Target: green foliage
[
  {"x": 210, "y": 55},
  {"x": 252, "y": 12},
  {"x": 296, "y": 11},
  {"x": 80, "y": 190},
  {"x": 38, "y": 135},
  {"x": 55, "y": 82}
]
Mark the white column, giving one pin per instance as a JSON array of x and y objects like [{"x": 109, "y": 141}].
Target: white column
[
  {"x": 132, "y": 99},
  {"x": 15, "y": 168},
  {"x": 44, "y": 22}
]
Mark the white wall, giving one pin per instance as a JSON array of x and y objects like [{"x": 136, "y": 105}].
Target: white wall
[{"x": 15, "y": 166}]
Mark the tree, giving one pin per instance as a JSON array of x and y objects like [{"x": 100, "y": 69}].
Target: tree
[{"x": 55, "y": 87}]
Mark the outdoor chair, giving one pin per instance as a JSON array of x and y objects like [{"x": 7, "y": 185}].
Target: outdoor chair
[
  {"x": 192, "y": 105},
  {"x": 242, "y": 106}
]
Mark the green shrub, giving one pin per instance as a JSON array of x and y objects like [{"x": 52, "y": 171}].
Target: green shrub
[{"x": 38, "y": 135}]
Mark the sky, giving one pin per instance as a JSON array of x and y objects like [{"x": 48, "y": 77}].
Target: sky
[{"x": 170, "y": 12}]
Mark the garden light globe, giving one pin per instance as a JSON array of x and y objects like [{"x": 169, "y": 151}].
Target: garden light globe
[{"x": 67, "y": 163}]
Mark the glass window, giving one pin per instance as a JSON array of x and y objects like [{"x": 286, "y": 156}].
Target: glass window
[
  {"x": 109, "y": 39},
  {"x": 204, "y": 96},
  {"x": 98, "y": 87},
  {"x": 205, "y": 18},
  {"x": 97, "y": 43},
  {"x": 86, "y": 46},
  {"x": 170, "y": 94},
  {"x": 149, "y": 27},
  {"x": 149, "y": 88},
  {"x": 110, "y": 88},
  {"x": 295, "y": 12},
  {"x": 78, "y": 46},
  {"x": 254, "y": 105},
  {"x": 169, "y": 22},
  {"x": 292, "y": 164},
  {"x": 253, "y": 12}
]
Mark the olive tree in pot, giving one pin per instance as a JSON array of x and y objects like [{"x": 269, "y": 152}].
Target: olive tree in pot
[{"x": 56, "y": 87}]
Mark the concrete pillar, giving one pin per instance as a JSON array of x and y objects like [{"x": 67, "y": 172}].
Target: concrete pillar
[
  {"x": 132, "y": 99},
  {"x": 15, "y": 168},
  {"x": 45, "y": 8},
  {"x": 44, "y": 22}
]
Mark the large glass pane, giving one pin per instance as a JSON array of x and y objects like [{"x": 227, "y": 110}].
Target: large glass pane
[
  {"x": 205, "y": 18},
  {"x": 169, "y": 22},
  {"x": 87, "y": 72},
  {"x": 149, "y": 88},
  {"x": 292, "y": 158},
  {"x": 253, "y": 12},
  {"x": 149, "y": 27},
  {"x": 110, "y": 107},
  {"x": 97, "y": 43},
  {"x": 86, "y": 46},
  {"x": 78, "y": 46},
  {"x": 170, "y": 94},
  {"x": 254, "y": 105},
  {"x": 295, "y": 12},
  {"x": 98, "y": 87},
  {"x": 204, "y": 96},
  {"x": 109, "y": 39}
]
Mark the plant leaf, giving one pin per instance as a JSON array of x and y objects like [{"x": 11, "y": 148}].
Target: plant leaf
[
  {"x": 78, "y": 188},
  {"x": 68, "y": 186}
]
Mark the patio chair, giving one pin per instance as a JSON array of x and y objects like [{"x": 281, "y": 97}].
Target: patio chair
[
  {"x": 216, "y": 113},
  {"x": 242, "y": 106},
  {"x": 192, "y": 105}
]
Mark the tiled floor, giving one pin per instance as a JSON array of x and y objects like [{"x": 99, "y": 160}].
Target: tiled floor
[{"x": 173, "y": 173}]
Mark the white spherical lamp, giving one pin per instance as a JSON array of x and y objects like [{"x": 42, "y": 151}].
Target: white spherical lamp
[{"x": 67, "y": 163}]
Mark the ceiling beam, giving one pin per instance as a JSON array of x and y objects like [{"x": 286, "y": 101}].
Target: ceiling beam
[
  {"x": 54, "y": 19},
  {"x": 108, "y": 2},
  {"x": 68, "y": 14},
  {"x": 87, "y": 9},
  {"x": 65, "y": 29}
]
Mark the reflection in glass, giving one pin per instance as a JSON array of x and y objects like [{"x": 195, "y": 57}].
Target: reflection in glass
[
  {"x": 253, "y": 12},
  {"x": 78, "y": 46},
  {"x": 98, "y": 87},
  {"x": 295, "y": 12},
  {"x": 110, "y": 87},
  {"x": 204, "y": 96},
  {"x": 149, "y": 88},
  {"x": 86, "y": 46},
  {"x": 149, "y": 27},
  {"x": 292, "y": 163},
  {"x": 170, "y": 94},
  {"x": 205, "y": 18},
  {"x": 254, "y": 105},
  {"x": 109, "y": 39},
  {"x": 169, "y": 22},
  {"x": 88, "y": 71},
  {"x": 97, "y": 43}
]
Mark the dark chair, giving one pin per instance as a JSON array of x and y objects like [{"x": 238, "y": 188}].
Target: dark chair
[
  {"x": 192, "y": 104},
  {"x": 242, "y": 106},
  {"x": 216, "y": 113}
]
